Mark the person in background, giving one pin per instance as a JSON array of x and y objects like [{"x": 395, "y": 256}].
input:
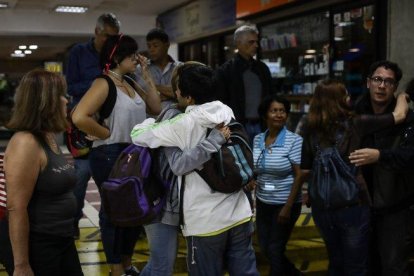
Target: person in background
[
  {"x": 40, "y": 182},
  {"x": 391, "y": 188},
  {"x": 243, "y": 81},
  {"x": 118, "y": 57},
  {"x": 277, "y": 156},
  {"x": 345, "y": 230},
  {"x": 82, "y": 69},
  {"x": 161, "y": 65}
]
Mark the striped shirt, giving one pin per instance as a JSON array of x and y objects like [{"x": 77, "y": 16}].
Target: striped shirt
[{"x": 273, "y": 165}]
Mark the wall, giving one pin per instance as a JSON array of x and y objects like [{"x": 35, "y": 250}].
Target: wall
[{"x": 401, "y": 37}]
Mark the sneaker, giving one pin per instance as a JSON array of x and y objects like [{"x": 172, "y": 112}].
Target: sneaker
[{"x": 132, "y": 271}]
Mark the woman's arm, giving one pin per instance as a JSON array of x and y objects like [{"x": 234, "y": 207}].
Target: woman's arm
[
  {"x": 89, "y": 105},
  {"x": 152, "y": 96},
  {"x": 23, "y": 161},
  {"x": 367, "y": 124},
  {"x": 182, "y": 162},
  {"x": 284, "y": 214}
]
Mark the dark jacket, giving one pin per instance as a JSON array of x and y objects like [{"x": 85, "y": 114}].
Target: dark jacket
[
  {"x": 390, "y": 179},
  {"x": 230, "y": 83}
]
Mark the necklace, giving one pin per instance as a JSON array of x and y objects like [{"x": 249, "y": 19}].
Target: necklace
[{"x": 117, "y": 76}]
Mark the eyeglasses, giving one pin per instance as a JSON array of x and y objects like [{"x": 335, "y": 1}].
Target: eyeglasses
[{"x": 387, "y": 82}]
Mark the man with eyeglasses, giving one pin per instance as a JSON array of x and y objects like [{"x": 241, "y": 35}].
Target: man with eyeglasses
[
  {"x": 389, "y": 177},
  {"x": 244, "y": 81},
  {"x": 82, "y": 69}
]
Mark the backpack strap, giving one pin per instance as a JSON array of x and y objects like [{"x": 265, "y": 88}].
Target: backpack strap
[
  {"x": 181, "y": 199},
  {"x": 108, "y": 105}
]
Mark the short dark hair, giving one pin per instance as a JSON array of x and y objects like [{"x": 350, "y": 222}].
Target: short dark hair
[
  {"x": 124, "y": 46},
  {"x": 389, "y": 65},
  {"x": 108, "y": 19},
  {"x": 410, "y": 89},
  {"x": 198, "y": 82},
  {"x": 159, "y": 34},
  {"x": 267, "y": 101}
]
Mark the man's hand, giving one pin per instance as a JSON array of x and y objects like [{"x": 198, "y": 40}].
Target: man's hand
[
  {"x": 364, "y": 156},
  {"x": 250, "y": 186},
  {"x": 225, "y": 130}
]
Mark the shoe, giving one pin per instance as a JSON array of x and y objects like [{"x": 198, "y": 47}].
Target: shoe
[{"x": 132, "y": 271}]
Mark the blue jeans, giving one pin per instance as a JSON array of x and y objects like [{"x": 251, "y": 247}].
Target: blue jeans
[
  {"x": 208, "y": 256},
  {"x": 117, "y": 241},
  {"x": 163, "y": 244},
  {"x": 83, "y": 174},
  {"x": 274, "y": 236},
  {"x": 345, "y": 232}
]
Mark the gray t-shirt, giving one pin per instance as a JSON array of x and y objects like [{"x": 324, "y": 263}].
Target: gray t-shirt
[{"x": 253, "y": 93}]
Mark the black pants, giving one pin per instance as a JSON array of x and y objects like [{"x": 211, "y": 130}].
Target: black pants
[
  {"x": 6, "y": 254},
  {"x": 273, "y": 236},
  {"x": 53, "y": 255},
  {"x": 392, "y": 243}
]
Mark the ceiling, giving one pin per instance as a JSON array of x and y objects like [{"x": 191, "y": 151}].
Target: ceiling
[
  {"x": 58, "y": 40},
  {"x": 142, "y": 7}
]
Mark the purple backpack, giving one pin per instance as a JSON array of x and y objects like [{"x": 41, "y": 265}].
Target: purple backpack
[{"x": 134, "y": 194}]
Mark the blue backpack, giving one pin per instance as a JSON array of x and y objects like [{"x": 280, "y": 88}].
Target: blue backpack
[{"x": 333, "y": 184}]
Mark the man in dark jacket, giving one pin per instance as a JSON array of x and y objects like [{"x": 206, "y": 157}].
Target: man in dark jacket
[
  {"x": 389, "y": 180},
  {"x": 243, "y": 81}
]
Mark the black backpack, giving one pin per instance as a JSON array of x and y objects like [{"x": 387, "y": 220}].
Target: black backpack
[
  {"x": 333, "y": 184},
  {"x": 231, "y": 168},
  {"x": 74, "y": 138}
]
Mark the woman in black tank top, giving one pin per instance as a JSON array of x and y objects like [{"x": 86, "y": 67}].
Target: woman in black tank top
[{"x": 41, "y": 204}]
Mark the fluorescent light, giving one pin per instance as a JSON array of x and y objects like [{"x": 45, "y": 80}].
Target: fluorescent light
[
  {"x": 27, "y": 52},
  {"x": 308, "y": 56},
  {"x": 33, "y": 47},
  {"x": 17, "y": 55},
  {"x": 354, "y": 50},
  {"x": 22, "y": 47},
  {"x": 4, "y": 5},
  {"x": 18, "y": 51},
  {"x": 71, "y": 9},
  {"x": 310, "y": 51}
]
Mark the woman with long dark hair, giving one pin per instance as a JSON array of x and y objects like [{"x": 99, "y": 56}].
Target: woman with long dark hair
[
  {"x": 345, "y": 229},
  {"x": 118, "y": 58}
]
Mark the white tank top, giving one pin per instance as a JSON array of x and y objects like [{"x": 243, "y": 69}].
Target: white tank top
[{"x": 126, "y": 114}]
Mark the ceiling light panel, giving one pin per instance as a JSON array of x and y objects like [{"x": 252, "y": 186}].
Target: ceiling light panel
[{"x": 71, "y": 9}]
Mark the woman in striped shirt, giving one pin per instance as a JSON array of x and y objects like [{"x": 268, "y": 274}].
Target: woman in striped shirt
[{"x": 277, "y": 157}]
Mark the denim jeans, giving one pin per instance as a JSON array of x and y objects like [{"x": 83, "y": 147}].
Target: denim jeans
[
  {"x": 345, "y": 232},
  {"x": 83, "y": 174},
  {"x": 163, "y": 244},
  {"x": 208, "y": 256},
  {"x": 274, "y": 236},
  {"x": 116, "y": 241}
]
